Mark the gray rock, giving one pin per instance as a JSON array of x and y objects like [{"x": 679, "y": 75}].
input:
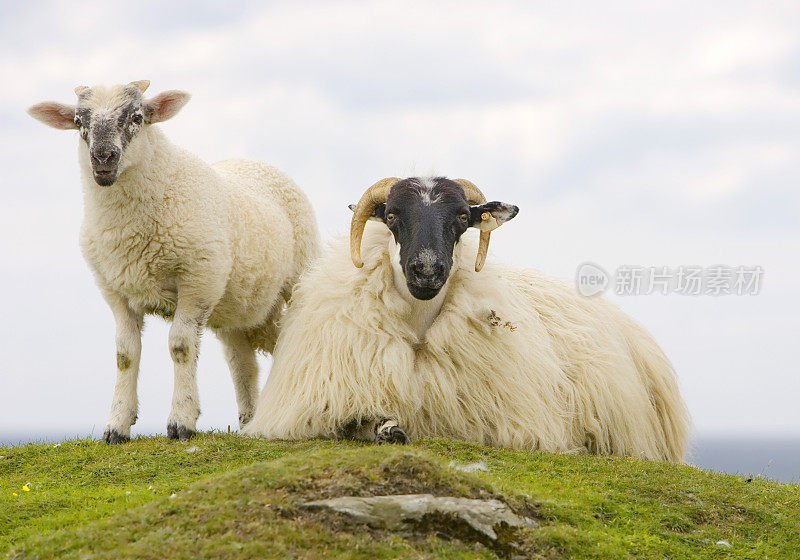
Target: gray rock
[
  {"x": 393, "y": 512},
  {"x": 469, "y": 467}
]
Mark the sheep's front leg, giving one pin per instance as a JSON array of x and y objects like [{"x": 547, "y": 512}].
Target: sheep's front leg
[
  {"x": 387, "y": 431},
  {"x": 184, "y": 345},
  {"x": 381, "y": 430},
  {"x": 242, "y": 362},
  {"x": 125, "y": 405}
]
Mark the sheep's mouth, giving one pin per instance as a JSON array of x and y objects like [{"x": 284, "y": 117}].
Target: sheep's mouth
[
  {"x": 423, "y": 292},
  {"x": 105, "y": 177}
]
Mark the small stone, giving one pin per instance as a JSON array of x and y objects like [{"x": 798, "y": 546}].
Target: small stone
[
  {"x": 724, "y": 544},
  {"x": 128, "y": 493},
  {"x": 172, "y": 497},
  {"x": 193, "y": 449},
  {"x": 469, "y": 467},
  {"x": 392, "y": 512}
]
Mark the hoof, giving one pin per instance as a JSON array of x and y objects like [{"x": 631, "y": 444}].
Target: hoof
[
  {"x": 244, "y": 418},
  {"x": 113, "y": 436},
  {"x": 391, "y": 434},
  {"x": 179, "y": 432}
]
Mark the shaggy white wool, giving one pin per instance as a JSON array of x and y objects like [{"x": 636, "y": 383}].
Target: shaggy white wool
[{"x": 513, "y": 359}]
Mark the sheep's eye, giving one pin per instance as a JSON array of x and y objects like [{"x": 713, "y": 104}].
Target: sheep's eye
[
  {"x": 390, "y": 217},
  {"x": 463, "y": 217},
  {"x": 137, "y": 119},
  {"x": 78, "y": 122}
]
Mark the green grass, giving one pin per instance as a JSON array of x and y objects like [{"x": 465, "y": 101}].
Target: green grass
[{"x": 240, "y": 498}]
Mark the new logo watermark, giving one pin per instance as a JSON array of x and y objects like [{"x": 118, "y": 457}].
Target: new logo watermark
[{"x": 687, "y": 280}]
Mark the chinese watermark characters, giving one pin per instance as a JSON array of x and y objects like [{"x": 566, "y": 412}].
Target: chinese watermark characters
[{"x": 688, "y": 280}]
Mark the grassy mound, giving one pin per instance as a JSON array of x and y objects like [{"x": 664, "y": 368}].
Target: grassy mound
[{"x": 222, "y": 496}]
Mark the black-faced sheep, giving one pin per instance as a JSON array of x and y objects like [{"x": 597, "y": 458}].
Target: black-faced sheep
[{"x": 417, "y": 342}]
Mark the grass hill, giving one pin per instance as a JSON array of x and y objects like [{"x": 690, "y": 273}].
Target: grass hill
[{"x": 223, "y": 496}]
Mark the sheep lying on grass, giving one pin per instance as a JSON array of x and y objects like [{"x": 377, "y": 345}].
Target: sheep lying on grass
[
  {"x": 167, "y": 234},
  {"x": 414, "y": 341}
]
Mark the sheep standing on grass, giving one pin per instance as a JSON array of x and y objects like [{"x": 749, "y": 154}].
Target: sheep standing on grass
[
  {"x": 414, "y": 341},
  {"x": 167, "y": 234}
]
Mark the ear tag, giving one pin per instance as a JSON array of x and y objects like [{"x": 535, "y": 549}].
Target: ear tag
[{"x": 488, "y": 222}]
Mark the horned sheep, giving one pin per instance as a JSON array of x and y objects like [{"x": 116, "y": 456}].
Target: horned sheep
[
  {"x": 164, "y": 233},
  {"x": 416, "y": 340}
]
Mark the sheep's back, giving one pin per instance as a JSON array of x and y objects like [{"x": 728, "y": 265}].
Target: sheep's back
[{"x": 276, "y": 208}]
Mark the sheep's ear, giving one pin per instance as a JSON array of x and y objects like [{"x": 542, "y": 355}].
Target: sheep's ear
[
  {"x": 165, "y": 105},
  {"x": 378, "y": 216},
  {"x": 492, "y": 215},
  {"x": 54, "y": 114}
]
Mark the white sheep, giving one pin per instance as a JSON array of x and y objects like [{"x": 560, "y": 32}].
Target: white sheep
[
  {"x": 167, "y": 234},
  {"x": 418, "y": 341}
]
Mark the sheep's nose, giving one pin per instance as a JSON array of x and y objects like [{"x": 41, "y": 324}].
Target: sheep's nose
[
  {"x": 427, "y": 270},
  {"x": 105, "y": 154}
]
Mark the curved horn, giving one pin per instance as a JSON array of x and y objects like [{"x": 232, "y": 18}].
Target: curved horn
[
  {"x": 374, "y": 196},
  {"x": 475, "y": 196}
]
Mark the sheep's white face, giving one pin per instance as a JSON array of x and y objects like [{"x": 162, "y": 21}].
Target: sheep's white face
[{"x": 109, "y": 120}]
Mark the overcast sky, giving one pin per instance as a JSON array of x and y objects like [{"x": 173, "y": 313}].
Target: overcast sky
[{"x": 627, "y": 135}]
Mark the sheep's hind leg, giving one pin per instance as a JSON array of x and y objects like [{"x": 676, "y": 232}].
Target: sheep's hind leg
[
  {"x": 125, "y": 404},
  {"x": 242, "y": 362},
  {"x": 184, "y": 345}
]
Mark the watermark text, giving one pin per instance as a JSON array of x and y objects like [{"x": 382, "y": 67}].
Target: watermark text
[{"x": 687, "y": 280}]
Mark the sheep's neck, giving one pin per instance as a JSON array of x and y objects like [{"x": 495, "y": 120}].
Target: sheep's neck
[
  {"x": 423, "y": 312},
  {"x": 144, "y": 180}
]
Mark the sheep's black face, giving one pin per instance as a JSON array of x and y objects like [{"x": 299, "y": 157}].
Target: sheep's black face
[
  {"x": 107, "y": 124},
  {"x": 427, "y": 217}
]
